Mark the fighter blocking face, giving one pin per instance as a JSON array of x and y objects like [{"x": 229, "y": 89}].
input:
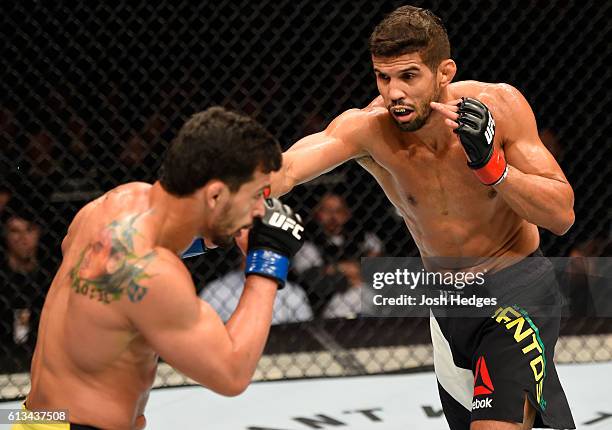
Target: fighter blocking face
[
  {"x": 232, "y": 212},
  {"x": 223, "y": 160}
]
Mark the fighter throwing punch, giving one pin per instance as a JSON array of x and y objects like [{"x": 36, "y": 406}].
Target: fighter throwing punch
[
  {"x": 122, "y": 295},
  {"x": 415, "y": 139}
]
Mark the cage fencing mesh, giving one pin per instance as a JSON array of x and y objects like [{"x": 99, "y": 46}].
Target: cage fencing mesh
[{"x": 91, "y": 94}]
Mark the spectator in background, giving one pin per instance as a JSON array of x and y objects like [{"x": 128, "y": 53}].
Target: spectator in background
[
  {"x": 23, "y": 284},
  {"x": 40, "y": 154},
  {"x": 346, "y": 303},
  {"x": 336, "y": 237},
  {"x": 80, "y": 180},
  {"x": 290, "y": 305},
  {"x": 139, "y": 156},
  {"x": 328, "y": 263}
]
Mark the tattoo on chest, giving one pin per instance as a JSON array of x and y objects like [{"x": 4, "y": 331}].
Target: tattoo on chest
[{"x": 109, "y": 268}]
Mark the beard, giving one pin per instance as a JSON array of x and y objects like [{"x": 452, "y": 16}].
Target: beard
[
  {"x": 224, "y": 233},
  {"x": 415, "y": 124},
  {"x": 422, "y": 112},
  {"x": 224, "y": 241},
  {"x": 223, "y": 236}
]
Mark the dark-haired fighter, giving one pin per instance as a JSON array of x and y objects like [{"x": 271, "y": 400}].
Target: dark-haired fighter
[
  {"x": 415, "y": 139},
  {"x": 122, "y": 296}
]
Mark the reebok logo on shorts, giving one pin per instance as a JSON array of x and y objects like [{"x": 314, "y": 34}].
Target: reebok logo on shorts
[
  {"x": 482, "y": 379},
  {"x": 482, "y": 385},
  {"x": 482, "y": 403}
]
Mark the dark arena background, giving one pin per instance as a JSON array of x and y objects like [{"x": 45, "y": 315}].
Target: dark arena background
[{"x": 92, "y": 93}]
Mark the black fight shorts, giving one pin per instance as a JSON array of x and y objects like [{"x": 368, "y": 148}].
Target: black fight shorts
[{"x": 487, "y": 365}]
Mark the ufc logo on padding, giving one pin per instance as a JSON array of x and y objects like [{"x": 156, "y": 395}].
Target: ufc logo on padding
[
  {"x": 284, "y": 223},
  {"x": 490, "y": 131}
]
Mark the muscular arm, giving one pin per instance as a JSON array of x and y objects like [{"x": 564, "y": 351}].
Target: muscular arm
[
  {"x": 319, "y": 153},
  {"x": 187, "y": 333},
  {"x": 535, "y": 188},
  {"x": 76, "y": 223}
]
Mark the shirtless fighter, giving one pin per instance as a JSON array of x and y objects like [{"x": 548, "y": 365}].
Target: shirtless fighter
[
  {"x": 122, "y": 296},
  {"x": 414, "y": 139}
]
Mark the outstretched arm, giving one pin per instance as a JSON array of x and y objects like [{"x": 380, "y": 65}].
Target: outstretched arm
[{"x": 321, "y": 152}]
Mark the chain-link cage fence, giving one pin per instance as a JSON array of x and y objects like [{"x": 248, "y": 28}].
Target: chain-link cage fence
[{"x": 93, "y": 92}]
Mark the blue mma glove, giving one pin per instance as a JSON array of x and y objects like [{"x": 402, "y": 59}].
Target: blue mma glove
[{"x": 273, "y": 240}]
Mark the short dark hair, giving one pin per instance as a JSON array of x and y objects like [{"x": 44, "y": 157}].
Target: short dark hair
[
  {"x": 410, "y": 29},
  {"x": 218, "y": 144},
  {"x": 19, "y": 208}
]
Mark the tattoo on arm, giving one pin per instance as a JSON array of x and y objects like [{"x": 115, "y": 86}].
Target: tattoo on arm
[{"x": 109, "y": 268}]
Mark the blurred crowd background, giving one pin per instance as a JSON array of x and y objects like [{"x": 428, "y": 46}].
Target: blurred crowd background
[{"x": 91, "y": 94}]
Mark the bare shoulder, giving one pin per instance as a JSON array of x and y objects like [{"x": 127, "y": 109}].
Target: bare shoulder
[
  {"x": 115, "y": 197},
  {"x": 132, "y": 192},
  {"x": 115, "y": 262},
  {"x": 360, "y": 118},
  {"x": 167, "y": 272},
  {"x": 359, "y": 125},
  {"x": 502, "y": 99},
  {"x": 130, "y": 187},
  {"x": 167, "y": 290},
  {"x": 127, "y": 198},
  {"x": 79, "y": 220}
]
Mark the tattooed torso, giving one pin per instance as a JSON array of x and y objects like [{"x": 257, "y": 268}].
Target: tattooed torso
[
  {"x": 91, "y": 349},
  {"x": 109, "y": 269}
]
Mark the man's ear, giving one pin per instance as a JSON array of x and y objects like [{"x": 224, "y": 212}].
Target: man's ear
[
  {"x": 215, "y": 194},
  {"x": 446, "y": 72}
]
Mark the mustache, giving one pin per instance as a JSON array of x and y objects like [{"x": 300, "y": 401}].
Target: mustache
[{"x": 401, "y": 103}]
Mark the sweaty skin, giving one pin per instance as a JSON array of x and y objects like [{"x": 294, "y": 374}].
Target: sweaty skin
[
  {"x": 424, "y": 174},
  {"x": 122, "y": 297},
  {"x": 405, "y": 139}
]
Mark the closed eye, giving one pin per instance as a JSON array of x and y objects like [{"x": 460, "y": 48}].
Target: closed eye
[{"x": 383, "y": 77}]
